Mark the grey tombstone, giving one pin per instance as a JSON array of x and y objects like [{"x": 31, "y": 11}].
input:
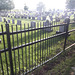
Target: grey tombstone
[
  {"x": 44, "y": 24},
  {"x": 25, "y": 17},
  {"x": 4, "y": 19},
  {"x": 33, "y": 24},
  {"x": 51, "y": 18},
  {"x": 18, "y": 22},
  {"x": 62, "y": 16},
  {"x": 43, "y": 18},
  {"x": 8, "y": 15},
  {"x": 12, "y": 21},
  {"x": 15, "y": 16},
  {"x": 38, "y": 18},
  {"x": 57, "y": 19},
  {"x": 29, "y": 17},
  {"x": 0, "y": 19},
  {"x": 18, "y": 16},
  {"x": 63, "y": 28},
  {"x": 11, "y": 16},
  {"x": 22, "y": 16},
  {"x": 8, "y": 21},
  {"x": 33, "y": 18},
  {"x": 48, "y": 24}
]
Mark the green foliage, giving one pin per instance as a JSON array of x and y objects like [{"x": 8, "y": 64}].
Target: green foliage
[
  {"x": 40, "y": 7},
  {"x": 25, "y": 7},
  {"x": 70, "y": 4},
  {"x": 6, "y": 4}
]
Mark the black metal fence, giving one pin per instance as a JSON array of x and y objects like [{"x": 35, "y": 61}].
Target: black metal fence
[{"x": 23, "y": 49}]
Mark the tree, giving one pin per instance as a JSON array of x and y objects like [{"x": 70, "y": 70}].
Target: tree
[
  {"x": 25, "y": 7},
  {"x": 6, "y": 4},
  {"x": 70, "y": 4},
  {"x": 40, "y": 7}
]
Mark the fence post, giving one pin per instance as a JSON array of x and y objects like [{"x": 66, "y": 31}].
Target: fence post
[
  {"x": 9, "y": 48},
  {"x": 67, "y": 20}
]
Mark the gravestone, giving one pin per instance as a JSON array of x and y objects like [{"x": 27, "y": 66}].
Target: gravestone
[
  {"x": 13, "y": 21},
  {"x": 62, "y": 16},
  {"x": 63, "y": 28},
  {"x": 8, "y": 21},
  {"x": 47, "y": 23},
  {"x": 58, "y": 13},
  {"x": 33, "y": 24},
  {"x": 16, "y": 16},
  {"x": 29, "y": 17},
  {"x": 51, "y": 18},
  {"x": 0, "y": 19},
  {"x": 43, "y": 18},
  {"x": 25, "y": 17},
  {"x": 8, "y": 16},
  {"x": 57, "y": 19},
  {"x": 22, "y": 16},
  {"x": 44, "y": 24},
  {"x": 38, "y": 18},
  {"x": 4, "y": 19},
  {"x": 11, "y": 16},
  {"x": 18, "y": 22},
  {"x": 33, "y": 18}
]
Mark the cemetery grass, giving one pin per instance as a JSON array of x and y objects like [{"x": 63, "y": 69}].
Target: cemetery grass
[
  {"x": 61, "y": 65},
  {"x": 48, "y": 51}
]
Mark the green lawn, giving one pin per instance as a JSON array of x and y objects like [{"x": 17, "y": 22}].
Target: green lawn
[{"x": 42, "y": 50}]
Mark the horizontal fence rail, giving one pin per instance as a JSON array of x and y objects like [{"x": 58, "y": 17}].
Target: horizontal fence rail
[{"x": 23, "y": 48}]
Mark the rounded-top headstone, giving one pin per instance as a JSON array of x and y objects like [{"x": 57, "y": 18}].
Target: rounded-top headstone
[{"x": 67, "y": 20}]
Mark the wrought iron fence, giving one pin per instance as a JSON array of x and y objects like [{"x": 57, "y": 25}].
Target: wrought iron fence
[{"x": 23, "y": 49}]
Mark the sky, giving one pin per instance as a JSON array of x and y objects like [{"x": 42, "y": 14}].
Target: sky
[{"x": 32, "y": 4}]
